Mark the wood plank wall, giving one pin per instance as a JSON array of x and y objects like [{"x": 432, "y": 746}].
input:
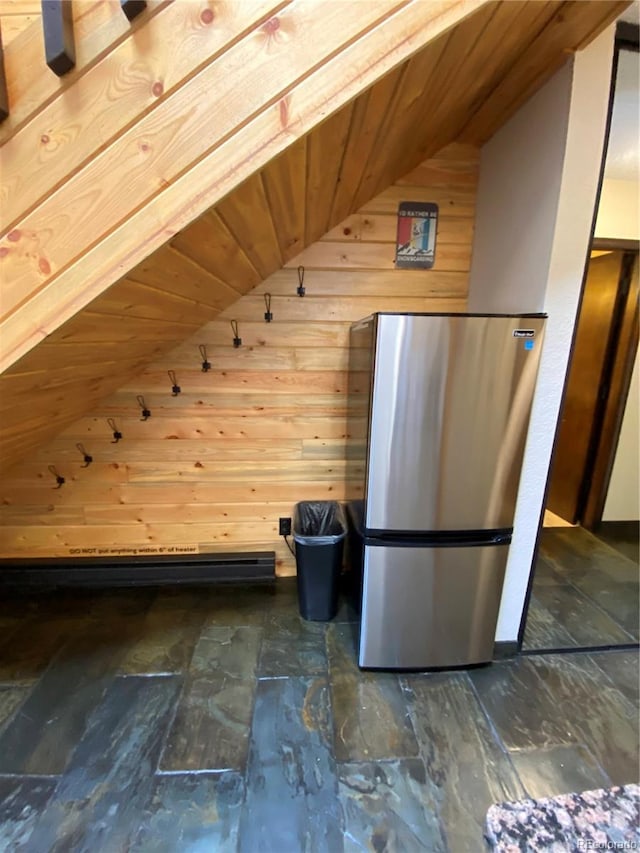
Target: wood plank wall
[
  {"x": 316, "y": 182},
  {"x": 217, "y": 465},
  {"x": 15, "y": 16}
]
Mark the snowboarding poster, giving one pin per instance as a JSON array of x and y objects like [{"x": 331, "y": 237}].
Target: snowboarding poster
[{"x": 416, "y": 240}]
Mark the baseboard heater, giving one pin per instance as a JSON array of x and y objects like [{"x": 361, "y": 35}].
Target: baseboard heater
[{"x": 142, "y": 570}]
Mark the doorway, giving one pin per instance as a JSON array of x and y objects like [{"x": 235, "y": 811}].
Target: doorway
[
  {"x": 585, "y": 589},
  {"x": 604, "y": 350}
]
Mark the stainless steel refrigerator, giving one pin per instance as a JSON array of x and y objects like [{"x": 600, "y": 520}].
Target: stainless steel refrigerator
[{"x": 439, "y": 410}]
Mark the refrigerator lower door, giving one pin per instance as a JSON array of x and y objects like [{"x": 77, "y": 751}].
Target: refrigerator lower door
[{"x": 430, "y": 607}]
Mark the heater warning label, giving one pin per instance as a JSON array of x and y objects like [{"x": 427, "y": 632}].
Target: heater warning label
[
  {"x": 524, "y": 333},
  {"x": 134, "y": 552}
]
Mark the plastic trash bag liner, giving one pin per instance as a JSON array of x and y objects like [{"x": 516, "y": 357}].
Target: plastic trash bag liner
[{"x": 319, "y": 523}]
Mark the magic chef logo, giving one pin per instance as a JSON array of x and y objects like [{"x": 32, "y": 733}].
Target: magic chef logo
[{"x": 524, "y": 333}]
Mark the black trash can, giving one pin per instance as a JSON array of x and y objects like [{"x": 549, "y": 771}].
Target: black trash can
[{"x": 319, "y": 530}]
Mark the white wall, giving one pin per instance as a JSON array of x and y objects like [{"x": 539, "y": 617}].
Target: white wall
[
  {"x": 623, "y": 495},
  {"x": 619, "y": 210},
  {"x": 536, "y": 199},
  {"x": 517, "y": 202}
]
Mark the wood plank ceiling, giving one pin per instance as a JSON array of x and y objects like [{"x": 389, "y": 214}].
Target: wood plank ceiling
[
  {"x": 462, "y": 86},
  {"x": 171, "y": 120}
]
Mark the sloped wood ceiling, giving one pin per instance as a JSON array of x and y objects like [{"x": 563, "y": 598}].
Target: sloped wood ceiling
[
  {"x": 170, "y": 120},
  {"x": 464, "y": 84}
]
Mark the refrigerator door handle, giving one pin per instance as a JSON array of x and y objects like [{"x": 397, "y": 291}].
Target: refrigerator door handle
[{"x": 438, "y": 538}]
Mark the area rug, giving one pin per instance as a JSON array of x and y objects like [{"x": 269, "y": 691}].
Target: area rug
[{"x": 605, "y": 819}]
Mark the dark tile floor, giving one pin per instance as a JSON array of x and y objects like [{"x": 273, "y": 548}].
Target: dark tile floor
[
  {"x": 585, "y": 593},
  {"x": 217, "y": 720},
  {"x": 623, "y": 536}
]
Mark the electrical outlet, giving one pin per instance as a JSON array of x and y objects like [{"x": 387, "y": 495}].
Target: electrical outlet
[{"x": 285, "y": 527}]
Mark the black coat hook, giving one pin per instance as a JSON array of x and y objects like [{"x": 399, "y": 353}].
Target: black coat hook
[
  {"x": 206, "y": 365},
  {"x": 87, "y": 458},
  {"x": 132, "y": 8},
  {"x": 175, "y": 388},
  {"x": 236, "y": 340},
  {"x": 301, "y": 291},
  {"x": 146, "y": 414},
  {"x": 117, "y": 435},
  {"x": 268, "y": 316},
  {"x": 59, "y": 479}
]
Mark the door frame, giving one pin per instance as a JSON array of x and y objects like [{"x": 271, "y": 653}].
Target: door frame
[
  {"x": 588, "y": 392},
  {"x": 627, "y": 38},
  {"x": 615, "y": 382}
]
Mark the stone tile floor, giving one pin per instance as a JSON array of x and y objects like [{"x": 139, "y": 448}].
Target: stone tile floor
[
  {"x": 218, "y": 720},
  {"x": 585, "y": 593}
]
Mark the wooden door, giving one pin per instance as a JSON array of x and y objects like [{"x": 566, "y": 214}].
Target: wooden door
[
  {"x": 617, "y": 384},
  {"x": 595, "y": 327}
]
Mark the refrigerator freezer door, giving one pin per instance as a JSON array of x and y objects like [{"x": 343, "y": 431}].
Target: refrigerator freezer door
[
  {"x": 430, "y": 607},
  {"x": 449, "y": 416}
]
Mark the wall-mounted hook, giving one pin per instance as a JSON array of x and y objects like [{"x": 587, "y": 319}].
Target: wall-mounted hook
[
  {"x": 175, "y": 388},
  {"x": 59, "y": 479},
  {"x": 300, "y": 290},
  {"x": 206, "y": 365},
  {"x": 146, "y": 414},
  {"x": 132, "y": 8},
  {"x": 236, "y": 340},
  {"x": 57, "y": 27},
  {"x": 268, "y": 316},
  {"x": 87, "y": 458},
  {"x": 117, "y": 435}
]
